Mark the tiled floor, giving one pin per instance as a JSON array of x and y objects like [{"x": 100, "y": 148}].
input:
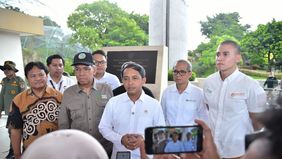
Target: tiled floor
[{"x": 4, "y": 137}]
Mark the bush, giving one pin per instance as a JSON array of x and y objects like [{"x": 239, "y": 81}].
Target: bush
[
  {"x": 259, "y": 73},
  {"x": 170, "y": 76}
]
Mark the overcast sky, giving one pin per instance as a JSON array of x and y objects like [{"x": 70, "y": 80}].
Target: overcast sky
[{"x": 253, "y": 12}]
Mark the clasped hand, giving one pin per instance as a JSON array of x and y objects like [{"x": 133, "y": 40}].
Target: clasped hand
[{"x": 132, "y": 141}]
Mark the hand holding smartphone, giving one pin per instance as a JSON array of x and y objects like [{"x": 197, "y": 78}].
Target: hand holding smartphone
[{"x": 173, "y": 139}]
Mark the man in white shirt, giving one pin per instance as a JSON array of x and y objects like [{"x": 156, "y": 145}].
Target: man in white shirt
[
  {"x": 101, "y": 76},
  {"x": 233, "y": 100},
  {"x": 127, "y": 115},
  {"x": 56, "y": 79},
  {"x": 182, "y": 102}
]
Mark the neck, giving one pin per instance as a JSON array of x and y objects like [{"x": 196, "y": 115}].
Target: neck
[
  {"x": 181, "y": 87},
  {"x": 134, "y": 97},
  {"x": 56, "y": 78},
  {"x": 86, "y": 87},
  {"x": 11, "y": 76},
  {"x": 225, "y": 74},
  {"x": 99, "y": 75},
  {"x": 38, "y": 92}
]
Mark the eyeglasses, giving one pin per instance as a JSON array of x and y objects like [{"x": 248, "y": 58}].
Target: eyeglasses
[
  {"x": 181, "y": 72},
  {"x": 100, "y": 62}
]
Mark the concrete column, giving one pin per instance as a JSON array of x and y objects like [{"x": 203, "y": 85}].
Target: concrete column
[
  {"x": 168, "y": 26},
  {"x": 10, "y": 49}
]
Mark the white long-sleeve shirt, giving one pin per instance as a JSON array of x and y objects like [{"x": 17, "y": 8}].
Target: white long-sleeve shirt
[
  {"x": 230, "y": 102},
  {"x": 184, "y": 108},
  {"x": 121, "y": 116}
]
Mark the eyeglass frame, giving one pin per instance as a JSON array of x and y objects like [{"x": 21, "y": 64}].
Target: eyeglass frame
[
  {"x": 180, "y": 72},
  {"x": 96, "y": 63}
]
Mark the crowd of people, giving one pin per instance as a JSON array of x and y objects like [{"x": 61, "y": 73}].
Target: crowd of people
[{"x": 115, "y": 116}]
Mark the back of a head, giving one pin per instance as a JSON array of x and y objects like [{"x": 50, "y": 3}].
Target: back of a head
[{"x": 69, "y": 144}]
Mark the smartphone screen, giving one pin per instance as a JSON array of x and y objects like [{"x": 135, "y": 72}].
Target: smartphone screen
[
  {"x": 173, "y": 139},
  {"x": 123, "y": 155}
]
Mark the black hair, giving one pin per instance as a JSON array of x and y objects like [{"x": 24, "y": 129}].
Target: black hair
[
  {"x": 233, "y": 43},
  {"x": 55, "y": 56},
  {"x": 101, "y": 52},
  {"x": 134, "y": 66},
  {"x": 37, "y": 64}
]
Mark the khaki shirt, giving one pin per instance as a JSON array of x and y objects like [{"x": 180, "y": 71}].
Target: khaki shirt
[
  {"x": 83, "y": 112},
  {"x": 10, "y": 88}
]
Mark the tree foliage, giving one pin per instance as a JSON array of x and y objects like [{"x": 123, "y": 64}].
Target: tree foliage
[
  {"x": 102, "y": 23},
  {"x": 224, "y": 24},
  {"x": 48, "y": 22},
  {"x": 264, "y": 45}
]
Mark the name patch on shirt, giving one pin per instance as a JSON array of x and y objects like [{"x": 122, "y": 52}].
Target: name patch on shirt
[
  {"x": 236, "y": 94},
  {"x": 104, "y": 96}
]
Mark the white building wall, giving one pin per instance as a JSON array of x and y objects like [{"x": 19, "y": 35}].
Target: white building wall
[
  {"x": 10, "y": 49},
  {"x": 157, "y": 23},
  {"x": 178, "y": 27}
]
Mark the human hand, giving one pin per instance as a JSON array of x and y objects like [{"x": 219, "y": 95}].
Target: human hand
[
  {"x": 209, "y": 148},
  {"x": 132, "y": 141}
]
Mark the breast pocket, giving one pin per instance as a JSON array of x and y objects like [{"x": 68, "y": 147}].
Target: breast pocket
[
  {"x": 76, "y": 114},
  {"x": 237, "y": 103}
]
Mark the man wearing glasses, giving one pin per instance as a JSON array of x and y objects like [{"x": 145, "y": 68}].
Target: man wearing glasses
[
  {"x": 101, "y": 76},
  {"x": 182, "y": 102}
]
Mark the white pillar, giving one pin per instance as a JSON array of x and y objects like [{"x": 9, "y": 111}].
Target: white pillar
[
  {"x": 10, "y": 49},
  {"x": 168, "y": 25}
]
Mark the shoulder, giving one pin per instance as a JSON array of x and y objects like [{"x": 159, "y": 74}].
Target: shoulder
[
  {"x": 19, "y": 78},
  {"x": 53, "y": 92},
  {"x": 247, "y": 79},
  {"x": 103, "y": 86},
  {"x": 21, "y": 96}
]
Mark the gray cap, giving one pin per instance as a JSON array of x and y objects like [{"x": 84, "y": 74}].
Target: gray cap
[
  {"x": 83, "y": 58},
  {"x": 65, "y": 144}
]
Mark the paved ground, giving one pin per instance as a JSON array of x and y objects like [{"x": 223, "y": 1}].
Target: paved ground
[{"x": 4, "y": 137}]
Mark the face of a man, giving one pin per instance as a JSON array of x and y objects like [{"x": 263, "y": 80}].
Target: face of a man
[
  {"x": 56, "y": 67},
  {"x": 100, "y": 63},
  {"x": 84, "y": 74},
  {"x": 227, "y": 58},
  {"x": 9, "y": 73},
  {"x": 132, "y": 81},
  {"x": 37, "y": 78},
  {"x": 180, "y": 73}
]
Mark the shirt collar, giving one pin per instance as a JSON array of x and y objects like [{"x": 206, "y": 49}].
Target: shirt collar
[
  {"x": 233, "y": 75},
  {"x": 49, "y": 78},
  {"x": 187, "y": 89},
  {"x": 47, "y": 91},
  {"x": 78, "y": 89},
  {"x": 141, "y": 98}
]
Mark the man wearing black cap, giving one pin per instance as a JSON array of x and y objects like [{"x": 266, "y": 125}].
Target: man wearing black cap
[
  {"x": 83, "y": 104},
  {"x": 11, "y": 86}
]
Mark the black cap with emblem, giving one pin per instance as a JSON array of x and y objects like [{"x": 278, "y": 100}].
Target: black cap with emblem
[{"x": 83, "y": 58}]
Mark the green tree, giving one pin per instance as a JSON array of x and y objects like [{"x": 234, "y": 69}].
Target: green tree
[
  {"x": 104, "y": 24},
  {"x": 264, "y": 45},
  {"x": 48, "y": 22},
  {"x": 224, "y": 24},
  {"x": 205, "y": 54},
  {"x": 142, "y": 21}
]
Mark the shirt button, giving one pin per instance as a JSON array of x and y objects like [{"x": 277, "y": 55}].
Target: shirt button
[
  {"x": 89, "y": 118},
  {"x": 132, "y": 113}
]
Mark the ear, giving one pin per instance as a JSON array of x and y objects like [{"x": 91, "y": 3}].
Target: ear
[
  {"x": 238, "y": 58},
  {"x": 94, "y": 70},
  {"x": 144, "y": 80}
]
